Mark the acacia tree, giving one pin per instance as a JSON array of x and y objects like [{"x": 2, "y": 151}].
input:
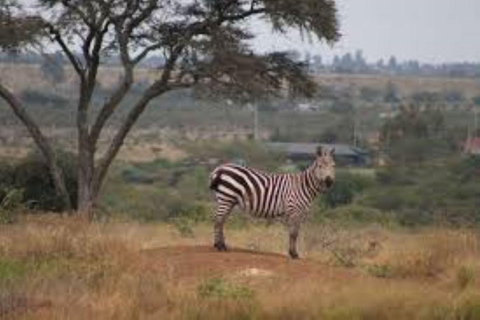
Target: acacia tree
[{"x": 204, "y": 43}]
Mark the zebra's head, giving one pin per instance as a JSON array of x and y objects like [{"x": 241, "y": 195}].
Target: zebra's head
[{"x": 324, "y": 166}]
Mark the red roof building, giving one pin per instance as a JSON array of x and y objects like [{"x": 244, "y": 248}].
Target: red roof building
[{"x": 472, "y": 146}]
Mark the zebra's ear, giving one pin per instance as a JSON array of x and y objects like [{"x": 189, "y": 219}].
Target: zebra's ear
[{"x": 319, "y": 151}]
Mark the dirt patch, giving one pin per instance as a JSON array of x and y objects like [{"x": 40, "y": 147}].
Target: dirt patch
[{"x": 187, "y": 263}]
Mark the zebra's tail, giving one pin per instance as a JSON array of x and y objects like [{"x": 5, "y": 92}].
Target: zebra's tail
[{"x": 215, "y": 180}]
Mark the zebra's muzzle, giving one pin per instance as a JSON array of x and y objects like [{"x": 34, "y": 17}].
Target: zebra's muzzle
[{"x": 329, "y": 182}]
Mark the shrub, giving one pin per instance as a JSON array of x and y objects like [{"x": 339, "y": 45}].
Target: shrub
[
  {"x": 133, "y": 174},
  {"x": 10, "y": 202},
  {"x": 219, "y": 288},
  {"x": 346, "y": 186},
  {"x": 465, "y": 276},
  {"x": 32, "y": 175},
  {"x": 36, "y": 97},
  {"x": 380, "y": 270},
  {"x": 476, "y": 100},
  {"x": 357, "y": 213}
]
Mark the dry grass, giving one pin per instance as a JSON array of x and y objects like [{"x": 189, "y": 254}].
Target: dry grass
[
  {"x": 59, "y": 268},
  {"x": 19, "y": 77}
]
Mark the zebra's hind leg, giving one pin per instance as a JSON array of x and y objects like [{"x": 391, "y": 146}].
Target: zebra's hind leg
[
  {"x": 293, "y": 229},
  {"x": 223, "y": 210}
]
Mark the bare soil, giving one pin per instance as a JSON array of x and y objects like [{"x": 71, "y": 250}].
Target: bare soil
[{"x": 186, "y": 263}]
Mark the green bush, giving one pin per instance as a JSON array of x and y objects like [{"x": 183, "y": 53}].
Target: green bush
[
  {"x": 465, "y": 276},
  {"x": 380, "y": 270},
  {"x": 357, "y": 213},
  {"x": 254, "y": 154},
  {"x": 346, "y": 186},
  {"x": 219, "y": 288},
  {"x": 37, "y": 97},
  {"x": 32, "y": 175},
  {"x": 11, "y": 201}
]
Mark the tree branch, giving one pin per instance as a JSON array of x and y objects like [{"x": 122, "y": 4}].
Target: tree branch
[
  {"x": 84, "y": 17},
  {"x": 42, "y": 143},
  {"x": 146, "y": 51},
  {"x": 243, "y": 15},
  {"x": 71, "y": 57},
  {"x": 111, "y": 104},
  {"x": 156, "y": 89},
  {"x": 144, "y": 14}
]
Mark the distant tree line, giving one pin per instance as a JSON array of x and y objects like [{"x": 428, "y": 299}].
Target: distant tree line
[
  {"x": 355, "y": 63},
  {"x": 349, "y": 63}
]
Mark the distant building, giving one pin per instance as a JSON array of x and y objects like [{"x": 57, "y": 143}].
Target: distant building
[
  {"x": 472, "y": 146},
  {"x": 345, "y": 155},
  {"x": 306, "y": 106}
]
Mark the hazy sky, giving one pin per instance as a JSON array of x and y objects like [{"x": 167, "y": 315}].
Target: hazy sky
[{"x": 427, "y": 30}]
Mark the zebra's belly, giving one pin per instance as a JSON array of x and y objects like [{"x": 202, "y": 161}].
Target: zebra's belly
[{"x": 258, "y": 211}]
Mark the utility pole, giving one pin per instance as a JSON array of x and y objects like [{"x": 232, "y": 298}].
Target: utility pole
[
  {"x": 475, "y": 123},
  {"x": 254, "y": 107},
  {"x": 355, "y": 132},
  {"x": 255, "y": 115}
]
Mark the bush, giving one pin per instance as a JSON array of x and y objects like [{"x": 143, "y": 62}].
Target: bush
[
  {"x": 253, "y": 153},
  {"x": 221, "y": 289},
  {"x": 465, "y": 276},
  {"x": 357, "y": 213},
  {"x": 10, "y": 202},
  {"x": 346, "y": 186},
  {"x": 40, "y": 98},
  {"x": 32, "y": 175}
]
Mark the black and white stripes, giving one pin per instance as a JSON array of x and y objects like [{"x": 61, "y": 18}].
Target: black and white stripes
[{"x": 270, "y": 196}]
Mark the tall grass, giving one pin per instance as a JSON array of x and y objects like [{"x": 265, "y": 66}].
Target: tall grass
[{"x": 60, "y": 268}]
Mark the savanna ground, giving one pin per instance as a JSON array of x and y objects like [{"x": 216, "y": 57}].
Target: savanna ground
[{"x": 59, "y": 268}]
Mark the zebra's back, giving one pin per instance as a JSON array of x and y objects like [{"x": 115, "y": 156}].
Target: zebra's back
[{"x": 259, "y": 193}]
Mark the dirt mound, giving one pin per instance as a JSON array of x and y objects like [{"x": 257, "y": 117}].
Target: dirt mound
[{"x": 197, "y": 262}]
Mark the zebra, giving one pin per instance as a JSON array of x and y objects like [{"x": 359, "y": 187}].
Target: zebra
[{"x": 286, "y": 196}]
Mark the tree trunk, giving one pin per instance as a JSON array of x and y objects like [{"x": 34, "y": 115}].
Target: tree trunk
[
  {"x": 42, "y": 143},
  {"x": 87, "y": 198}
]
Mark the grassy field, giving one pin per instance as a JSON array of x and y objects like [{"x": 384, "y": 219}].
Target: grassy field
[
  {"x": 20, "y": 78},
  {"x": 59, "y": 268}
]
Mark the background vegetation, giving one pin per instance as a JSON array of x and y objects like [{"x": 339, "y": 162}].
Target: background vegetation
[{"x": 406, "y": 226}]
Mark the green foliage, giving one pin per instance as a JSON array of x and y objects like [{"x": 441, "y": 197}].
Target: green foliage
[
  {"x": 380, "y": 270},
  {"x": 184, "y": 226},
  {"x": 42, "y": 98},
  {"x": 17, "y": 31},
  {"x": 168, "y": 195},
  {"x": 422, "y": 97},
  {"x": 453, "y": 96},
  {"x": 10, "y": 203},
  {"x": 465, "y": 276},
  {"x": 358, "y": 214},
  {"x": 435, "y": 193},
  {"x": 252, "y": 153},
  {"x": 32, "y": 176},
  {"x": 370, "y": 94},
  {"x": 221, "y": 289},
  {"x": 392, "y": 94},
  {"x": 346, "y": 186},
  {"x": 476, "y": 100},
  {"x": 12, "y": 269},
  {"x": 416, "y": 136}
]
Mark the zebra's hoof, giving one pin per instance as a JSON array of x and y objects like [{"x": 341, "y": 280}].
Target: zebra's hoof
[
  {"x": 294, "y": 255},
  {"x": 220, "y": 246}
]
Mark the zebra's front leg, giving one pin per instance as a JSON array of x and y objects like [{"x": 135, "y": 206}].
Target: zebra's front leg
[
  {"x": 223, "y": 210},
  {"x": 294, "y": 229}
]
